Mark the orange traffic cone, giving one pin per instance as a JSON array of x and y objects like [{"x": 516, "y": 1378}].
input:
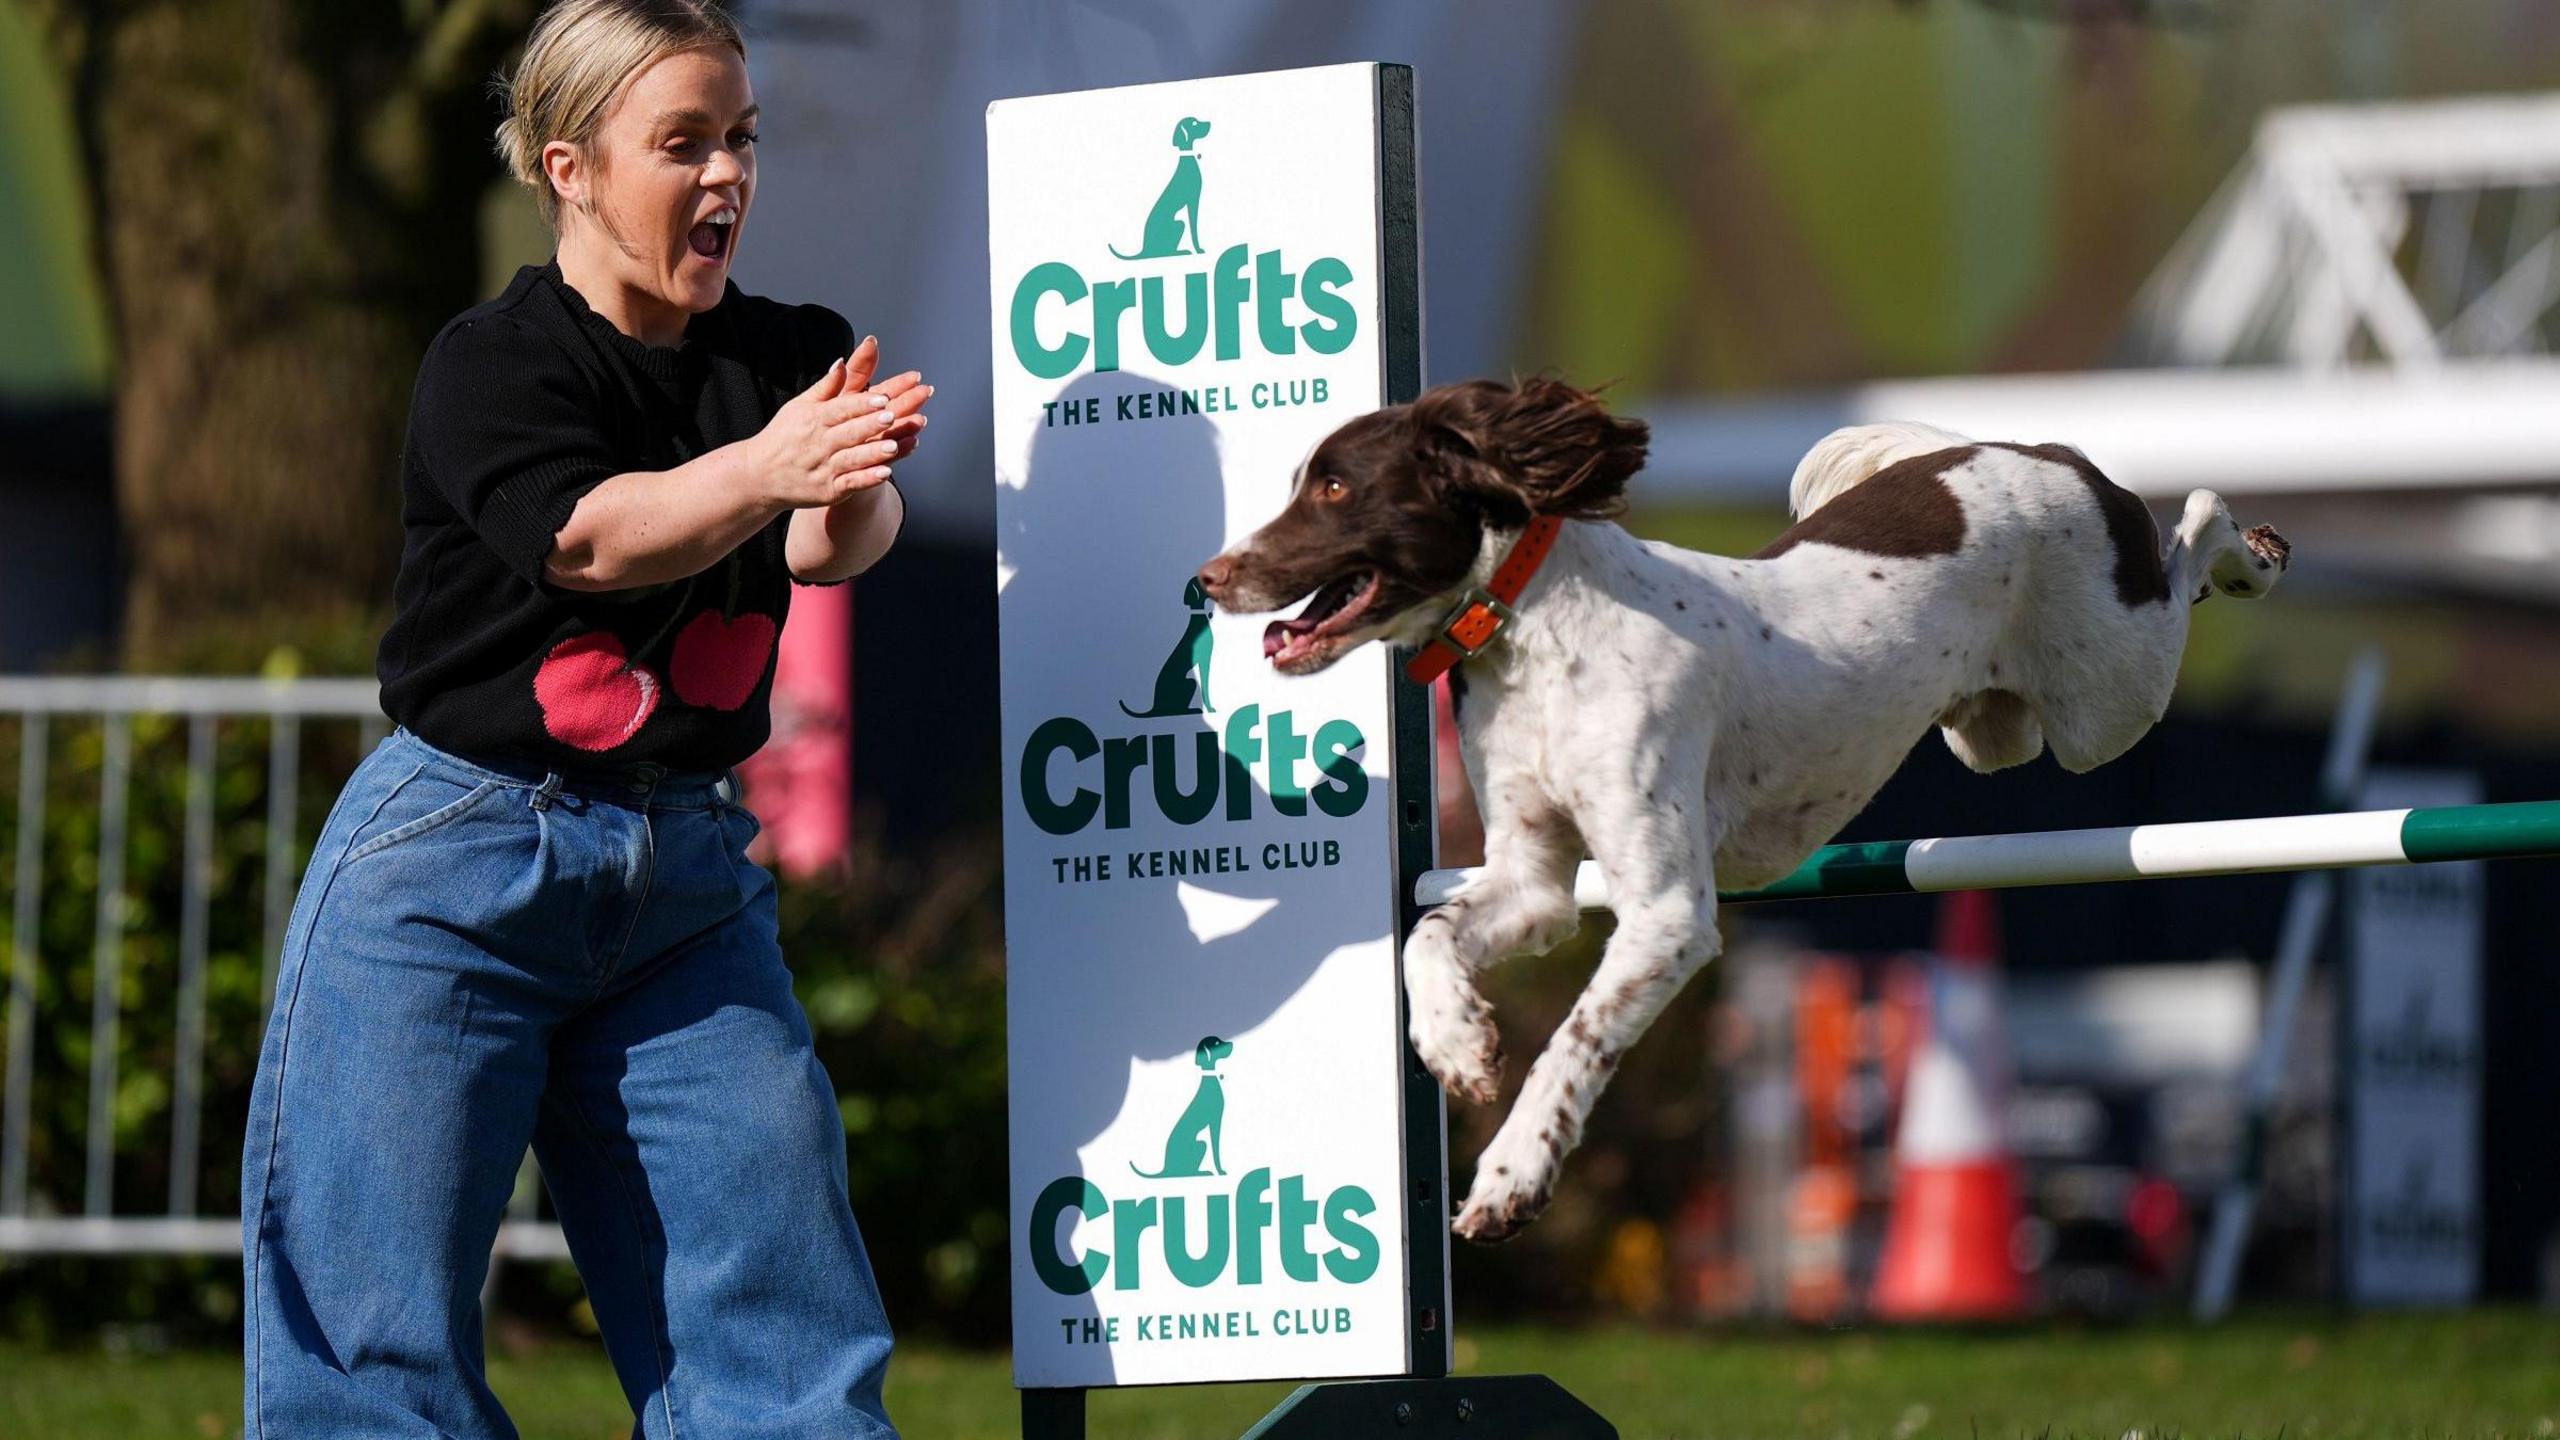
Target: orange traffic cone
[{"x": 1947, "y": 1251}]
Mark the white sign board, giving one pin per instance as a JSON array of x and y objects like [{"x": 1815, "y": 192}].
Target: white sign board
[
  {"x": 1192, "y": 284},
  {"x": 2414, "y": 1032}
]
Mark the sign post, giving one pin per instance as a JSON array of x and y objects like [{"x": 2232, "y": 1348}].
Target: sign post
[
  {"x": 1226, "y": 1163},
  {"x": 2413, "y": 1061}
]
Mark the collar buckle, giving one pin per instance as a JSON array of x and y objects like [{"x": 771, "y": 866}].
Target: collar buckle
[{"x": 1497, "y": 615}]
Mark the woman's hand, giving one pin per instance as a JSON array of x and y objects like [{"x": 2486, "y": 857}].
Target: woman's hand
[
  {"x": 906, "y": 394},
  {"x": 834, "y": 439},
  {"x": 845, "y": 536}
]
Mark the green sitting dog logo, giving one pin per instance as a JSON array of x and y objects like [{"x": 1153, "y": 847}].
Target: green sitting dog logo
[
  {"x": 1177, "y": 211},
  {"x": 1190, "y": 658},
  {"x": 1195, "y": 1134}
]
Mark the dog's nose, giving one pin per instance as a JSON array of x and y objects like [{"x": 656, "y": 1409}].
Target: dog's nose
[{"x": 1215, "y": 575}]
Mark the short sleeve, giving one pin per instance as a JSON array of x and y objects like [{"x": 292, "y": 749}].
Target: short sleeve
[{"x": 506, "y": 429}]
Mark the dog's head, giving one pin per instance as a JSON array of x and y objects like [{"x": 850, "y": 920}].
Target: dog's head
[
  {"x": 1391, "y": 512},
  {"x": 1210, "y": 1051},
  {"x": 1187, "y": 130}
]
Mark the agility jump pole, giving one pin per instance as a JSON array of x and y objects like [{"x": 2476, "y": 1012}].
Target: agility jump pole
[{"x": 2133, "y": 852}]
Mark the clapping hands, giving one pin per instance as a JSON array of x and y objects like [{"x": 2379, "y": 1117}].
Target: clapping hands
[{"x": 842, "y": 435}]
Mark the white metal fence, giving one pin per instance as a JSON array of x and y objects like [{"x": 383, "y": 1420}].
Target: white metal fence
[{"x": 33, "y": 1221}]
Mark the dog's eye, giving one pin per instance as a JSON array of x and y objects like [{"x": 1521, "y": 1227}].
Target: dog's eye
[{"x": 1332, "y": 488}]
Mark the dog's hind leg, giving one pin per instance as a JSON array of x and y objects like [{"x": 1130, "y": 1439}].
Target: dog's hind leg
[
  {"x": 2210, "y": 552},
  {"x": 1660, "y": 869},
  {"x": 1520, "y": 902}
]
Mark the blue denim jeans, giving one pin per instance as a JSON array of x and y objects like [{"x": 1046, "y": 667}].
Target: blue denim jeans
[{"x": 483, "y": 957}]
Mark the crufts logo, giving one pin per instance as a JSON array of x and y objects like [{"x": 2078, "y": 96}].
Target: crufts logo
[
  {"x": 1186, "y": 668},
  {"x": 1197, "y": 1133},
  {"x": 1289, "y": 307},
  {"x": 1177, "y": 210},
  {"x": 1236, "y": 1232},
  {"x": 1222, "y": 760}
]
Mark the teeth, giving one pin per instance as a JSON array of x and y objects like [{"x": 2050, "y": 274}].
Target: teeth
[{"x": 723, "y": 217}]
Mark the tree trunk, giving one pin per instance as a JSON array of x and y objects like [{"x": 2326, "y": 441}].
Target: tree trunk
[{"x": 285, "y": 195}]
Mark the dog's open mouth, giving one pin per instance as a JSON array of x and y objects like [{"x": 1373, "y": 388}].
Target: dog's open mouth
[{"x": 1335, "y": 606}]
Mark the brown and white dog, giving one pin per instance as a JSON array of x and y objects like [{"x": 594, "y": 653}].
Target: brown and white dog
[{"x": 1698, "y": 721}]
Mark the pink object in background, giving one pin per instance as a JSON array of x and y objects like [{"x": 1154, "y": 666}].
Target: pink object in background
[
  {"x": 1461, "y": 827},
  {"x": 801, "y": 783}
]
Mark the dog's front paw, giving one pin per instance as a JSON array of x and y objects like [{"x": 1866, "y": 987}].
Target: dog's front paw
[
  {"x": 1503, "y": 1200},
  {"x": 1452, "y": 1027}
]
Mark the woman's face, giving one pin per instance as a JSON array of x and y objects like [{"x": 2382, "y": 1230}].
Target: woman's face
[{"x": 671, "y": 174}]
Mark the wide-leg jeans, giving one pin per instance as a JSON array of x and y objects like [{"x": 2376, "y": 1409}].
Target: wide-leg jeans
[{"x": 481, "y": 958}]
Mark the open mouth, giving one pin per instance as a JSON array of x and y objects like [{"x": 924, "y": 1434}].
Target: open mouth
[
  {"x": 1335, "y": 606},
  {"x": 710, "y": 238}
]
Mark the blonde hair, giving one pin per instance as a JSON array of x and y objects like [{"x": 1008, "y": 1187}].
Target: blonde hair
[{"x": 577, "y": 60}]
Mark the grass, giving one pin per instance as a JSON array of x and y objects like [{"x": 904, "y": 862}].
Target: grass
[{"x": 2481, "y": 1373}]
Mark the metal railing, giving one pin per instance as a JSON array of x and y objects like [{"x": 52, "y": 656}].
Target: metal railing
[{"x": 31, "y": 1223}]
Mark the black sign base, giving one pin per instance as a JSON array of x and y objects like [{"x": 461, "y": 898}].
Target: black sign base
[{"x": 1512, "y": 1407}]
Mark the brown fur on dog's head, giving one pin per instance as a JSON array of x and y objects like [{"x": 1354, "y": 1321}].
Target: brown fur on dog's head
[{"x": 1406, "y": 495}]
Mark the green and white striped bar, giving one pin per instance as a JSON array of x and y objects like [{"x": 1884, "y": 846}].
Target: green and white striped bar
[{"x": 2134, "y": 852}]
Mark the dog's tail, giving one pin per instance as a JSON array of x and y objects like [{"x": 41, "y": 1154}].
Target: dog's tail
[{"x": 1839, "y": 460}]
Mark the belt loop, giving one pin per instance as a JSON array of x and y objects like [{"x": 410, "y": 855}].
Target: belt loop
[
  {"x": 728, "y": 790},
  {"x": 547, "y": 791}
]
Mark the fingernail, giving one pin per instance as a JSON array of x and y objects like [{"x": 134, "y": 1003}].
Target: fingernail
[{"x": 870, "y": 339}]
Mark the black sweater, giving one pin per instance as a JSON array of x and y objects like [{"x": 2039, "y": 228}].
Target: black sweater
[{"x": 523, "y": 405}]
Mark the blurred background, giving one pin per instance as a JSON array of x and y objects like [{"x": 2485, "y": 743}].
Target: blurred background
[{"x": 2306, "y": 252}]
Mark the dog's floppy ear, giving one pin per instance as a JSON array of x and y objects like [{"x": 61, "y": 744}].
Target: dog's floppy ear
[{"x": 1539, "y": 447}]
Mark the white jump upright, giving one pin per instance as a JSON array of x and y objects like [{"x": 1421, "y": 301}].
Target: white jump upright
[{"x": 1227, "y": 1163}]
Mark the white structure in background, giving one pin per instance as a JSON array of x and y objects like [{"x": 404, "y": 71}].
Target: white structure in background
[
  {"x": 2418, "y": 236},
  {"x": 2368, "y": 304}
]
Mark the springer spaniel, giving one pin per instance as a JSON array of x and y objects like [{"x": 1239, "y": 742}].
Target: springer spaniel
[{"x": 1697, "y": 721}]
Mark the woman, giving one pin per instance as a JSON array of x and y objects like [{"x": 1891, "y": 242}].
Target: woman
[{"x": 530, "y": 917}]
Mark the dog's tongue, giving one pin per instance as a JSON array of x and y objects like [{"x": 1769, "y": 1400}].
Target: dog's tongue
[
  {"x": 1277, "y": 635},
  {"x": 705, "y": 240}
]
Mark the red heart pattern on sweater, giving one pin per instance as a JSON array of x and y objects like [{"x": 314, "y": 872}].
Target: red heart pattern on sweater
[
  {"x": 591, "y": 695},
  {"x": 719, "y": 659}
]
